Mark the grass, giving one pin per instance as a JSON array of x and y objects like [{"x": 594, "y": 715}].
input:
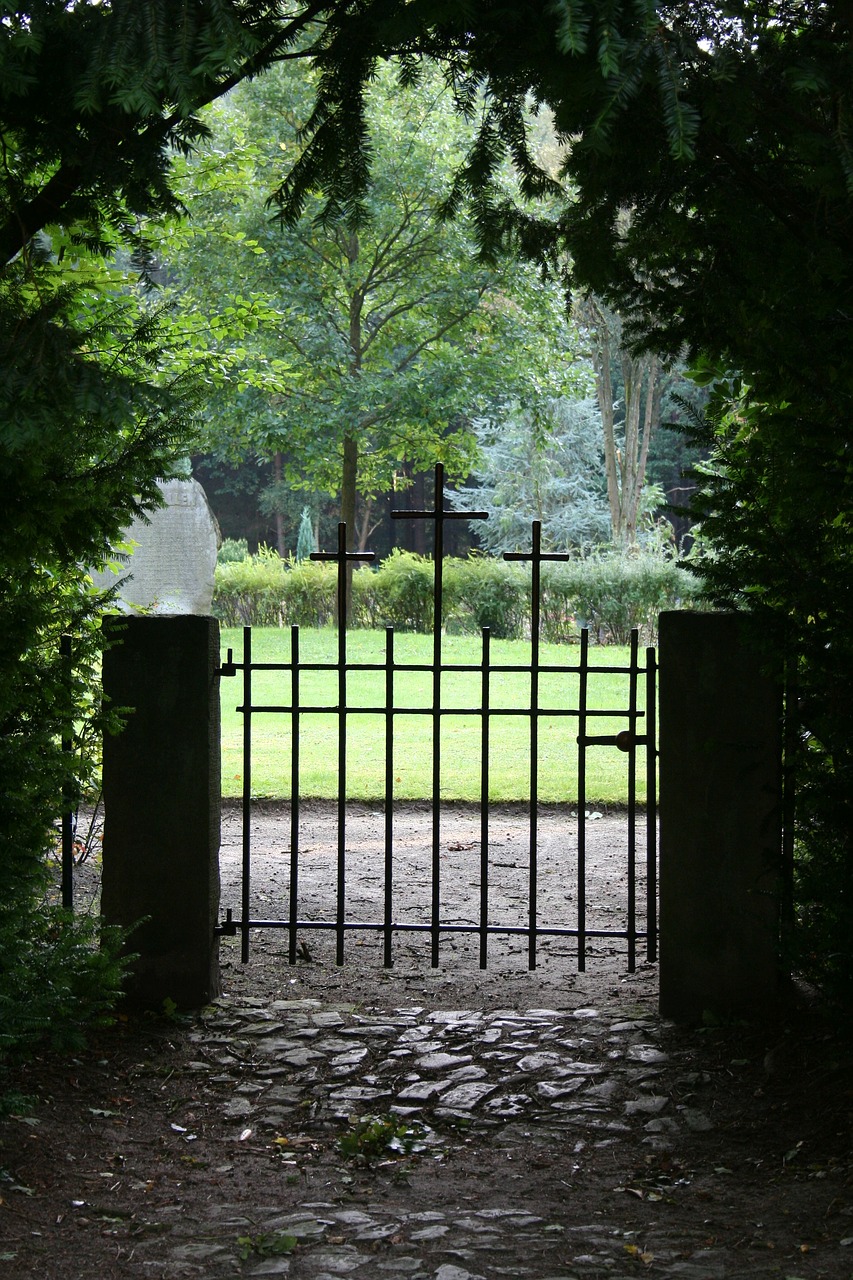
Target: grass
[{"x": 460, "y": 734}]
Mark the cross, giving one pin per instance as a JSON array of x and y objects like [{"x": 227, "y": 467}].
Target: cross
[
  {"x": 536, "y": 556},
  {"x": 342, "y": 558},
  {"x": 439, "y": 515}
]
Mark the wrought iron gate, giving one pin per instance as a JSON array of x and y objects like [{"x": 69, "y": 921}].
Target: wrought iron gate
[{"x": 638, "y": 732}]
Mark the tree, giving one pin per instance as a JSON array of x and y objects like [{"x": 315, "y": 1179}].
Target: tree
[
  {"x": 377, "y": 344},
  {"x": 548, "y": 470},
  {"x": 724, "y": 132},
  {"x": 628, "y": 421}
]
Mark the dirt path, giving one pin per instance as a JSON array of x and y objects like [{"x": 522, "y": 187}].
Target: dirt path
[
  {"x": 528, "y": 1126},
  {"x": 507, "y": 980}
]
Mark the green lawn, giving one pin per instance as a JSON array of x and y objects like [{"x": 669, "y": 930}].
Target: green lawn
[{"x": 460, "y": 734}]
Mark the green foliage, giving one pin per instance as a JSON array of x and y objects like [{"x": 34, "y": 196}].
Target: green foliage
[
  {"x": 372, "y": 1138},
  {"x": 61, "y": 976},
  {"x": 232, "y": 551},
  {"x": 353, "y": 350},
  {"x": 266, "y": 1244},
  {"x": 544, "y": 465},
  {"x": 775, "y": 506},
  {"x": 305, "y": 537},
  {"x": 266, "y": 591},
  {"x": 609, "y": 592},
  {"x": 86, "y": 428},
  {"x": 488, "y": 593},
  {"x": 612, "y": 594},
  {"x": 404, "y": 587}
]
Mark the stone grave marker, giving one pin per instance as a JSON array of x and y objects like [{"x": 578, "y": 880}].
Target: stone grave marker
[{"x": 172, "y": 565}]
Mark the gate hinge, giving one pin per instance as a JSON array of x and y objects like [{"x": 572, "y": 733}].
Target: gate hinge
[
  {"x": 228, "y": 667},
  {"x": 226, "y": 928}
]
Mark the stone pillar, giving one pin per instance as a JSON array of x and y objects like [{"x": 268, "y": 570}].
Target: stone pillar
[
  {"x": 720, "y": 821},
  {"x": 161, "y": 778}
]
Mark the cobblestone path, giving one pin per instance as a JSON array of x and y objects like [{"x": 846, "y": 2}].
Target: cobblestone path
[{"x": 507, "y": 1110}]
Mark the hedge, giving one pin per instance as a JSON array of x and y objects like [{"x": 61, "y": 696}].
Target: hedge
[{"x": 609, "y": 593}]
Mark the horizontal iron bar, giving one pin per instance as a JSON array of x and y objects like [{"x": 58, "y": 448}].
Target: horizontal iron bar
[
  {"x": 230, "y": 928},
  {"x": 446, "y": 668},
  {"x": 609, "y": 740},
  {"x": 335, "y": 709}
]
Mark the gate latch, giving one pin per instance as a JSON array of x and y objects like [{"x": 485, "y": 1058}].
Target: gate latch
[{"x": 624, "y": 740}]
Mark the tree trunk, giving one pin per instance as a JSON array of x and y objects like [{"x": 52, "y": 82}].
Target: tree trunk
[
  {"x": 349, "y": 480},
  {"x": 625, "y": 465},
  {"x": 279, "y": 518}
]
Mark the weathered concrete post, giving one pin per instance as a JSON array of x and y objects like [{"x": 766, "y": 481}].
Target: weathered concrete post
[
  {"x": 720, "y": 821},
  {"x": 161, "y": 804}
]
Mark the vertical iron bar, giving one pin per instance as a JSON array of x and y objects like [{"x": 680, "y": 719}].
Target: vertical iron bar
[
  {"x": 294, "y": 792},
  {"x": 533, "y": 888},
  {"x": 389, "y": 792},
  {"x": 485, "y": 746},
  {"x": 247, "y": 792},
  {"x": 790, "y": 741},
  {"x": 67, "y": 816},
  {"x": 632, "y": 803},
  {"x": 438, "y": 557},
  {"x": 342, "y": 741},
  {"x": 583, "y": 681},
  {"x": 651, "y": 807}
]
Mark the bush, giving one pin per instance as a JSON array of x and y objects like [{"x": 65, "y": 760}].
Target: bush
[
  {"x": 266, "y": 591},
  {"x": 612, "y": 594},
  {"x": 250, "y": 592},
  {"x": 310, "y": 593},
  {"x": 488, "y": 593},
  {"x": 401, "y": 592},
  {"x": 609, "y": 593},
  {"x": 232, "y": 549}
]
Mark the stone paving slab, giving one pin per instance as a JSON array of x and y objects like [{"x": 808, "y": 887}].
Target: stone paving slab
[{"x": 570, "y": 1078}]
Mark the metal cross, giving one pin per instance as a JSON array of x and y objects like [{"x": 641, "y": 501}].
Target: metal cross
[
  {"x": 439, "y": 515},
  {"x": 342, "y": 557}
]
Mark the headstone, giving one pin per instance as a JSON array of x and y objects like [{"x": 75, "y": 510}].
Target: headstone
[{"x": 172, "y": 566}]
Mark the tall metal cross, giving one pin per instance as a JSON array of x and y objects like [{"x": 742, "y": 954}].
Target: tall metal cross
[{"x": 536, "y": 556}]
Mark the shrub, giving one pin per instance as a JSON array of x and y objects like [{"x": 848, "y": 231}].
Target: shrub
[
  {"x": 482, "y": 592},
  {"x": 404, "y": 585},
  {"x": 231, "y": 550},
  {"x": 250, "y": 592},
  {"x": 266, "y": 591},
  {"x": 609, "y": 593},
  {"x": 612, "y": 594},
  {"x": 310, "y": 593}
]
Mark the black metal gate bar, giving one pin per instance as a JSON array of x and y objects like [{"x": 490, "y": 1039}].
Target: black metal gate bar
[
  {"x": 485, "y": 748},
  {"x": 389, "y": 796},
  {"x": 438, "y": 515},
  {"x": 247, "y": 792},
  {"x": 632, "y": 805},
  {"x": 536, "y": 556},
  {"x": 294, "y": 792},
  {"x": 651, "y": 806},
  {"x": 583, "y": 673},
  {"x": 342, "y": 558}
]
